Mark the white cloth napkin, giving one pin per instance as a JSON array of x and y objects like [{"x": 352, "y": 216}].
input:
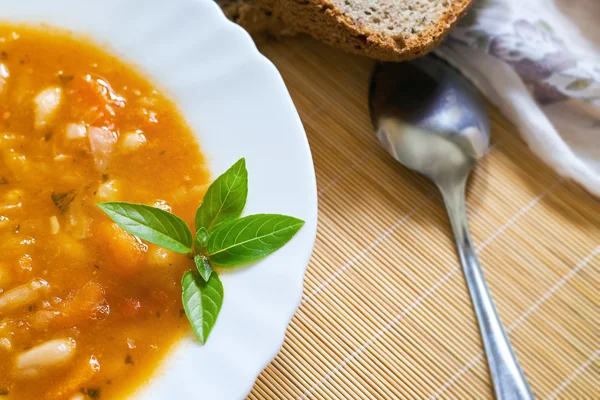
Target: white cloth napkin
[{"x": 539, "y": 62}]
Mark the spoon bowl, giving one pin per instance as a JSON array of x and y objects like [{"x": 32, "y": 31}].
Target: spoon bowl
[{"x": 430, "y": 119}]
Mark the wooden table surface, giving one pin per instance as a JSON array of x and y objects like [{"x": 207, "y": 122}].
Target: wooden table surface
[{"x": 385, "y": 312}]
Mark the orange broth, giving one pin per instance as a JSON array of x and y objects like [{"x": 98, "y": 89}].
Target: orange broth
[{"x": 86, "y": 310}]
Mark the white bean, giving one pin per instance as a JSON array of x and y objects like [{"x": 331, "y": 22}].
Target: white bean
[
  {"x": 108, "y": 191},
  {"x": 75, "y": 131},
  {"x": 3, "y": 76},
  {"x": 9, "y": 207},
  {"x": 46, "y": 105},
  {"x": 51, "y": 354},
  {"x": 13, "y": 196},
  {"x": 5, "y": 277},
  {"x": 16, "y": 162},
  {"x": 23, "y": 295},
  {"x": 5, "y": 344},
  {"x": 54, "y": 225},
  {"x": 131, "y": 141}
]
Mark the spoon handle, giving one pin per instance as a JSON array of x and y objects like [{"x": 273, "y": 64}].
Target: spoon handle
[{"x": 507, "y": 376}]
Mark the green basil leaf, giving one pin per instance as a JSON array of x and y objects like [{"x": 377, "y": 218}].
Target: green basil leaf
[
  {"x": 225, "y": 198},
  {"x": 151, "y": 224},
  {"x": 202, "y": 302},
  {"x": 201, "y": 240},
  {"x": 203, "y": 266},
  {"x": 250, "y": 238}
]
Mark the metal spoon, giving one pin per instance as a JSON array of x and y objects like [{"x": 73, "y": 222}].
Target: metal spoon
[{"x": 429, "y": 118}]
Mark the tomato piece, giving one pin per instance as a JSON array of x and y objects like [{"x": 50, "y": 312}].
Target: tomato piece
[
  {"x": 93, "y": 101},
  {"x": 125, "y": 253},
  {"x": 87, "y": 303}
]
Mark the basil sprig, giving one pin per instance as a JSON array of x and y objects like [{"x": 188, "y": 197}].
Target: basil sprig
[{"x": 222, "y": 238}]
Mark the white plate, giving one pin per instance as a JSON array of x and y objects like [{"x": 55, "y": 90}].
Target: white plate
[{"x": 236, "y": 102}]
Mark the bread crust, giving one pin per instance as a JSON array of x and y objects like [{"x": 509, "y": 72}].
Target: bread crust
[
  {"x": 323, "y": 21},
  {"x": 259, "y": 21}
]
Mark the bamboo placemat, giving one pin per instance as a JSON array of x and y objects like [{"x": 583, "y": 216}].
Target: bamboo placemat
[{"x": 385, "y": 312}]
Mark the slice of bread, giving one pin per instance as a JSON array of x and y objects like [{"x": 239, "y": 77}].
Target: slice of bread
[{"x": 390, "y": 30}]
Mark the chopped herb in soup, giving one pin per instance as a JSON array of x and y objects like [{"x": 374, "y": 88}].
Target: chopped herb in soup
[{"x": 86, "y": 309}]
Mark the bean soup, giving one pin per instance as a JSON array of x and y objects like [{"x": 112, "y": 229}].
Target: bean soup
[{"x": 86, "y": 309}]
